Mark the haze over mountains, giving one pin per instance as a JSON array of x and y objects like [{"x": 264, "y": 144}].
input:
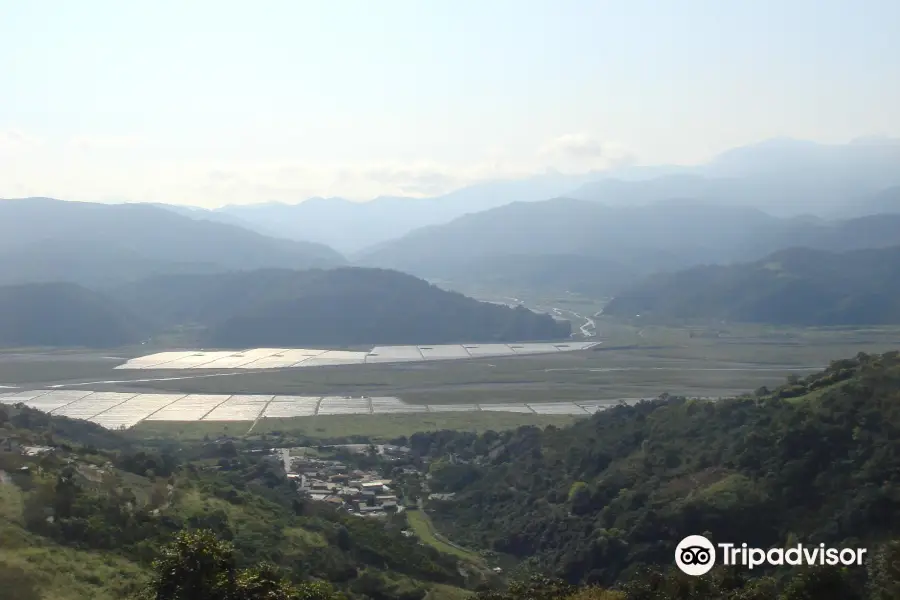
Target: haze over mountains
[
  {"x": 610, "y": 235},
  {"x": 784, "y": 177},
  {"x": 352, "y": 226},
  {"x": 43, "y": 240},
  {"x": 625, "y": 243}
]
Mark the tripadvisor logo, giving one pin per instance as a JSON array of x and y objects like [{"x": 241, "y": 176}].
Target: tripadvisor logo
[{"x": 696, "y": 555}]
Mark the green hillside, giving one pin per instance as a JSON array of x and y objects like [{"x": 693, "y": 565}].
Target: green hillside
[
  {"x": 87, "y": 518},
  {"x": 601, "y": 503},
  {"x": 797, "y": 287},
  {"x": 275, "y": 308},
  {"x": 344, "y": 306},
  {"x": 608, "y": 498}
]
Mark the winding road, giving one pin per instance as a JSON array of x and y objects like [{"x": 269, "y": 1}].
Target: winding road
[{"x": 588, "y": 328}]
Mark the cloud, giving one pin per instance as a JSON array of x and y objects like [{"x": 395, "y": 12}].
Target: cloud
[
  {"x": 13, "y": 140},
  {"x": 95, "y": 167},
  {"x": 108, "y": 142},
  {"x": 417, "y": 179},
  {"x": 578, "y": 145},
  {"x": 583, "y": 152}
]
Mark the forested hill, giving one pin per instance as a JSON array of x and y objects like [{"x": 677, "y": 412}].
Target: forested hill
[
  {"x": 274, "y": 308},
  {"x": 63, "y": 314},
  {"x": 797, "y": 286},
  {"x": 347, "y": 306},
  {"x": 815, "y": 461},
  {"x": 87, "y": 511},
  {"x": 613, "y": 246}
]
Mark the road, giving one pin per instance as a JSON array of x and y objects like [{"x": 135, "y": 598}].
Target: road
[
  {"x": 588, "y": 328},
  {"x": 152, "y": 379}
]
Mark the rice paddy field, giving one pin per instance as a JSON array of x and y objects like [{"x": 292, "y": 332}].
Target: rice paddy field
[{"x": 628, "y": 362}]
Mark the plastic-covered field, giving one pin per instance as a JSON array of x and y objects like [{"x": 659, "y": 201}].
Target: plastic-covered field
[
  {"x": 114, "y": 410},
  {"x": 189, "y": 407},
  {"x": 557, "y": 408},
  {"x": 282, "y": 358}
]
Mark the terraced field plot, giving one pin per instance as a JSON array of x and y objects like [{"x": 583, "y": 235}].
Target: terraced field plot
[
  {"x": 281, "y": 358},
  {"x": 119, "y": 409}
]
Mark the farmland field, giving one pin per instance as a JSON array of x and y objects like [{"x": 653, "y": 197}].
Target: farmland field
[{"x": 632, "y": 361}]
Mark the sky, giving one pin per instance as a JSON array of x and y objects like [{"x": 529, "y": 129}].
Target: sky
[{"x": 232, "y": 102}]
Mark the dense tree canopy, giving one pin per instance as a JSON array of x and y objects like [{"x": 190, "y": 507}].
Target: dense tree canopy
[
  {"x": 794, "y": 287},
  {"x": 199, "y": 566},
  {"x": 815, "y": 461},
  {"x": 279, "y": 308}
]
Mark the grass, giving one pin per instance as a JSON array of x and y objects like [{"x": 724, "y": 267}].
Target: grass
[
  {"x": 376, "y": 427},
  {"x": 53, "y": 368},
  {"x": 633, "y": 361},
  {"x": 439, "y": 591},
  {"x": 32, "y": 568},
  {"x": 422, "y": 526},
  {"x": 816, "y": 394},
  {"x": 188, "y": 430}
]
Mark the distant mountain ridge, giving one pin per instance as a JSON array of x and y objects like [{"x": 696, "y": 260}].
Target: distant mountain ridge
[
  {"x": 784, "y": 177},
  {"x": 632, "y": 242},
  {"x": 353, "y": 226},
  {"x": 44, "y": 240},
  {"x": 797, "y": 286}
]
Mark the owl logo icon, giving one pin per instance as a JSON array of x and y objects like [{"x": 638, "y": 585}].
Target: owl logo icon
[{"x": 695, "y": 555}]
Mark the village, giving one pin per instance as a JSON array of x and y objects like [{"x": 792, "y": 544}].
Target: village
[{"x": 362, "y": 492}]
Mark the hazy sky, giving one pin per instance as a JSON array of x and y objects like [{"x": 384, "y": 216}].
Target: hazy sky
[{"x": 226, "y": 101}]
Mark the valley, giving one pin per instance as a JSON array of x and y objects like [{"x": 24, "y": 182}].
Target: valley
[
  {"x": 450, "y": 300},
  {"x": 567, "y": 385}
]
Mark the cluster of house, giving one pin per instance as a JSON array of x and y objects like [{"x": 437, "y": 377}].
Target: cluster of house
[
  {"x": 8, "y": 444},
  {"x": 360, "y": 492}
]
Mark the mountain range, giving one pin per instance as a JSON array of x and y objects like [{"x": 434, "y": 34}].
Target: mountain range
[
  {"x": 799, "y": 286},
  {"x": 353, "y": 226},
  {"x": 611, "y": 234},
  {"x": 336, "y": 307},
  {"x": 47, "y": 240},
  {"x": 521, "y": 243},
  {"x": 784, "y": 177},
  {"x": 263, "y": 308}
]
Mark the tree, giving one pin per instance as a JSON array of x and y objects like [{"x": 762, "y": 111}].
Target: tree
[
  {"x": 18, "y": 583},
  {"x": 265, "y": 583},
  {"x": 67, "y": 489},
  {"x": 199, "y": 566},
  {"x": 884, "y": 572},
  {"x": 196, "y": 566},
  {"x": 343, "y": 538},
  {"x": 820, "y": 583},
  {"x": 579, "y": 497}
]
